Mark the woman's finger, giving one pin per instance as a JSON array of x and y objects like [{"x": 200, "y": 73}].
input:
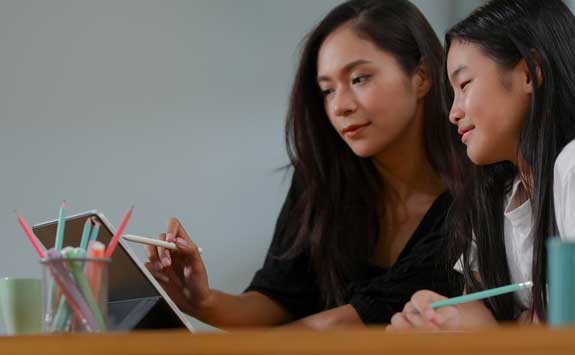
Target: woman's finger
[
  {"x": 152, "y": 253},
  {"x": 158, "y": 275},
  {"x": 193, "y": 260},
  {"x": 163, "y": 253},
  {"x": 175, "y": 230}
]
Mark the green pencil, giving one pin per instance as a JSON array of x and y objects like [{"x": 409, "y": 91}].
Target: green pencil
[
  {"x": 86, "y": 235},
  {"x": 60, "y": 227},
  {"x": 77, "y": 270},
  {"x": 482, "y": 294}
]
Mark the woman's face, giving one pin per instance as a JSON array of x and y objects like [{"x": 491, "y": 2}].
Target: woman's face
[
  {"x": 490, "y": 103},
  {"x": 368, "y": 98}
]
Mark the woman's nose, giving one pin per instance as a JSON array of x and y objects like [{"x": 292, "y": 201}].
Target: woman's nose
[{"x": 344, "y": 103}]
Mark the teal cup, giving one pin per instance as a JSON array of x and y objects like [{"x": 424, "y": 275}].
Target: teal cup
[
  {"x": 561, "y": 282},
  {"x": 21, "y": 305}
]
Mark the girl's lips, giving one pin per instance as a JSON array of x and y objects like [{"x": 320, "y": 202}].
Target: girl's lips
[
  {"x": 463, "y": 130},
  {"x": 465, "y": 135}
]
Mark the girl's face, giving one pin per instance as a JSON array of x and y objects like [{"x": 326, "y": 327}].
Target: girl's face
[
  {"x": 368, "y": 98},
  {"x": 490, "y": 103}
]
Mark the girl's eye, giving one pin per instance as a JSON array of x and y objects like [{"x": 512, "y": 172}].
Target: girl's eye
[
  {"x": 464, "y": 84},
  {"x": 360, "y": 79}
]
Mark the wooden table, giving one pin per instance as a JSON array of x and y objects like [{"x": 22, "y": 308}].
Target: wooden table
[{"x": 509, "y": 341}]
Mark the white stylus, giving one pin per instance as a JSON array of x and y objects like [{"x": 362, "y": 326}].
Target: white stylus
[{"x": 152, "y": 241}]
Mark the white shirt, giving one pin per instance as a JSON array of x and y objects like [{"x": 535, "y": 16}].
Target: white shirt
[{"x": 518, "y": 222}]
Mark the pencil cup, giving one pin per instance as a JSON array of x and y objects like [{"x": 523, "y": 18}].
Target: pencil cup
[
  {"x": 561, "y": 282},
  {"x": 75, "y": 295}
]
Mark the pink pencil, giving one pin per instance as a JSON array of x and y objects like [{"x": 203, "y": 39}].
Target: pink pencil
[
  {"x": 31, "y": 236},
  {"x": 116, "y": 238}
]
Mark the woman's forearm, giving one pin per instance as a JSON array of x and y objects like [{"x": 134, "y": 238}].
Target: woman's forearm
[
  {"x": 248, "y": 309},
  {"x": 343, "y": 316}
]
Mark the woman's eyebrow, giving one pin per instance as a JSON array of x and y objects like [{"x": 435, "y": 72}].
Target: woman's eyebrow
[{"x": 347, "y": 68}]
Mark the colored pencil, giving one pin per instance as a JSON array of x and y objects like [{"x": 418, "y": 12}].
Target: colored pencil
[
  {"x": 116, "y": 238},
  {"x": 31, "y": 236},
  {"x": 61, "y": 226}
]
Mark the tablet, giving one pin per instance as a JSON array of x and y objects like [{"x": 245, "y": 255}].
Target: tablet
[{"x": 136, "y": 300}]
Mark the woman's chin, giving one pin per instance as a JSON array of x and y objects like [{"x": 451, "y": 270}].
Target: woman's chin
[{"x": 363, "y": 151}]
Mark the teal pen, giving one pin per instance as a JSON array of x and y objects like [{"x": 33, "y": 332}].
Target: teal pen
[{"x": 482, "y": 294}]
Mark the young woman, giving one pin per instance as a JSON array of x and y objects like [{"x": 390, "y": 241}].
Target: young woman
[
  {"x": 510, "y": 66},
  {"x": 361, "y": 228}
]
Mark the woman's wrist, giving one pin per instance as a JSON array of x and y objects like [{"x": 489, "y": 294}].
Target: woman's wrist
[{"x": 203, "y": 308}]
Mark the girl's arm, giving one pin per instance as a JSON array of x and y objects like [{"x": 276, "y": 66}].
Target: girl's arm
[
  {"x": 418, "y": 314},
  {"x": 470, "y": 315}
]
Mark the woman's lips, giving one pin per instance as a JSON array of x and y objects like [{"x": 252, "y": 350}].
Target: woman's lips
[{"x": 353, "y": 130}]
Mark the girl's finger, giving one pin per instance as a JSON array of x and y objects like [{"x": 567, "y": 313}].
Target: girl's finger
[
  {"x": 399, "y": 322},
  {"x": 419, "y": 322}
]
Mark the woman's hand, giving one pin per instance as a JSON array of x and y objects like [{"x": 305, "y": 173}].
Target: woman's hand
[
  {"x": 418, "y": 314},
  {"x": 180, "y": 272}
]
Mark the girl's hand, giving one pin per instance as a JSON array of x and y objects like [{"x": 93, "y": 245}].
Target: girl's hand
[
  {"x": 180, "y": 272},
  {"x": 418, "y": 314}
]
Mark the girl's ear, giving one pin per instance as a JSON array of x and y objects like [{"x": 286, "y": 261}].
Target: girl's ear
[{"x": 421, "y": 81}]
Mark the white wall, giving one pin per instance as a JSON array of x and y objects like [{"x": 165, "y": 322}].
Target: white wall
[{"x": 174, "y": 106}]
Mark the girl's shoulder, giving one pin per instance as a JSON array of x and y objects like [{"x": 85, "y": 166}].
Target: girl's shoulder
[
  {"x": 564, "y": 191},
  {"x": 565, "y": 162}
]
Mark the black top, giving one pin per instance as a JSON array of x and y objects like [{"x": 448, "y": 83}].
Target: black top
[{"x": 377, "y": 293}]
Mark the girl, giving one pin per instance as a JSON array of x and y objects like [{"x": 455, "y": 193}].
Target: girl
[
  {"x": 510, "y": 66},
  {"x": 360, "y": 230}
]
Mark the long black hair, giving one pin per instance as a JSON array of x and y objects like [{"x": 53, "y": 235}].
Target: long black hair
[
  {"x": 336, "y": 219},
  {"x": 541, "y": 32}
]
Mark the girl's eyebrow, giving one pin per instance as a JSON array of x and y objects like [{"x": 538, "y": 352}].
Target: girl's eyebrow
[
  {"x": 348, "y": 67},
  {"x": 457, "y": 72}
]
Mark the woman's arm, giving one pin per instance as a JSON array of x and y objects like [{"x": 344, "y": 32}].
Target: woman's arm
[
  {"x": 183, "y": 276},
  {"x": 343, "y": 316},
  {"x": 278, "y": 292},
  {"x": 248, "y": 309}
]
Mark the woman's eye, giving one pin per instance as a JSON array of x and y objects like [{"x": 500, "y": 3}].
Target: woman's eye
[
  {"x": 464, "y": 84},
  {"x": 360, "y": 79},
  {"x": 326, "y": 92}
]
